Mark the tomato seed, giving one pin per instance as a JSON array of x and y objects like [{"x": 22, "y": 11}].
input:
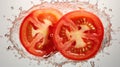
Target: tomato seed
[
  {"x": 86, "y": 48},
  {"x": 84, "y": 19},
  {"x": 83, "y": 49},
  {"x": 38, "y": 46},
  {"x": 89, "y": 46},
  {"x": 88, "y": 43},
  {"x": 80, "y": 50},
  {"x": 81, "y": 20}
]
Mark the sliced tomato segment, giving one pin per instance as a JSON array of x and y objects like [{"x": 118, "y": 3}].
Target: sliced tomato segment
[
  {"x": 35, "y": 31},
  {"x": 78, "y": 35}
]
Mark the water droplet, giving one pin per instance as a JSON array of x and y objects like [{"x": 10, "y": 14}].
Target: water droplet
[
  {"x": 4, "y": 16},
  {"x": 8, "y": 19},
  {"x": 7, "y": 35},
  {"x": 9, "y": 48},
  {"x": 12, "y": 7},
  {"x": 20, "y": 8},
  {"x": 92, "y": 63},
  {"x": 110, "y": 9}
]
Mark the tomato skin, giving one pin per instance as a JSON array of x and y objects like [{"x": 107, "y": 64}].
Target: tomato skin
[
  {"x": 66, "y": 20},
  {"x": 40, "y": 43}
]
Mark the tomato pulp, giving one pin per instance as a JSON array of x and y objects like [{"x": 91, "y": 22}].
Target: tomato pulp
[
  {"x": 78, "y": 35},
  {"x": 35, "y": 31}
]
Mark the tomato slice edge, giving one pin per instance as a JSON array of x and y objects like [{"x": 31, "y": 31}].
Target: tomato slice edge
[
  {"x": 76, "y": 13},
  {"x": 25, "y": 22}
]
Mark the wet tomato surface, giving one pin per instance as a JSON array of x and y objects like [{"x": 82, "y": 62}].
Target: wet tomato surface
[
  {"x": 78, "y": 35},
  {"x": 35, "y": 31}
]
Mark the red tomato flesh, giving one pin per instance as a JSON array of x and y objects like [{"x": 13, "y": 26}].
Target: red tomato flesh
[
  {"x": 78, "y": 35},
  {"x": 35, "y": 31}
]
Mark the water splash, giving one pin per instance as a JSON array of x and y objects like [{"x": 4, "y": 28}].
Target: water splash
[
  {"x": 57, "y": 60},
  {"x": 12, "y": 8}
]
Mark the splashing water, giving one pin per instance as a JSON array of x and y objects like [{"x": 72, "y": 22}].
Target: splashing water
[{"x": 57, "y": 60}]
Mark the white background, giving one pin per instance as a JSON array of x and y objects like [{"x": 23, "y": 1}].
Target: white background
[{"x": 7, "y": 58}]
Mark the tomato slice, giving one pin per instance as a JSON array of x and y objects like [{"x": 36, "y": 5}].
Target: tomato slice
[
  {"x": 35, "y": 31},
  {"x": 78, "y": 35}
]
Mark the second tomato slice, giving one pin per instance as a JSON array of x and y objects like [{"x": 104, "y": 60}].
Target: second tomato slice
[{"x": 78, "y": 35}]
